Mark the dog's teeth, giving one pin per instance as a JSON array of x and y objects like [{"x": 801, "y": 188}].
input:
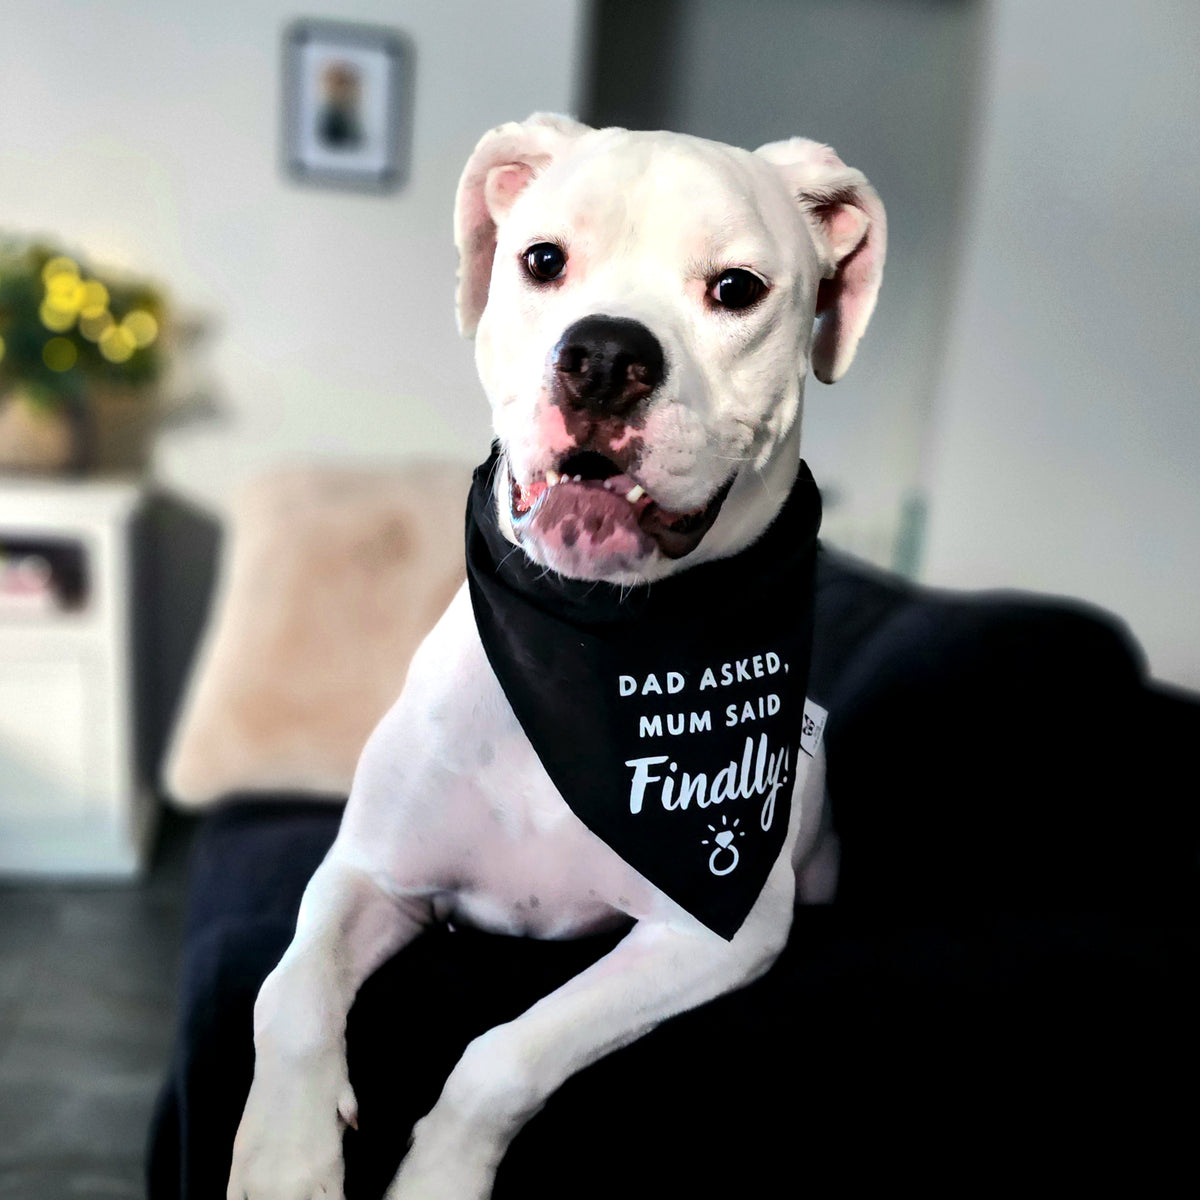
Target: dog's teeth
[
  {"x": 552, "y": 477},
  {"x": 608, "y": 485},
  {"x": 635, "y": 493}
]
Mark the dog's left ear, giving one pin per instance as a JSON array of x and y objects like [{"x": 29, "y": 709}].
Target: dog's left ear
[
  {"x": 849, "y": 227},
  {"x": 499, "y": 169}
]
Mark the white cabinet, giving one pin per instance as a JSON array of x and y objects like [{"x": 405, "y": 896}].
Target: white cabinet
[{"x": 71, "y": 801}]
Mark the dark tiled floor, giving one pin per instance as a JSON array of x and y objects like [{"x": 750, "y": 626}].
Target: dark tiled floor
[{"x": 87, "y": 1009}]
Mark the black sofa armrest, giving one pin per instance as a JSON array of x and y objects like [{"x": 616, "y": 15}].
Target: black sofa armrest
[
  {"x": 1010, "y": 744},
  {"x": 250, "y": 861}
]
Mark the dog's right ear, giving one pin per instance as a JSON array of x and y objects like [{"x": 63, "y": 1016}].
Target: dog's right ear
[
  {"x": 849, "y": 228},
  {"x": 502, "y": 164}
]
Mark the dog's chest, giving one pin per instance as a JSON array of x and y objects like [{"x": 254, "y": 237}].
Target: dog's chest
[{"x": 532, "y": 867}]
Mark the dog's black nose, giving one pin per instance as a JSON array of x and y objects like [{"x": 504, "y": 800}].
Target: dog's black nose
[{"x": 606, "y": 365}]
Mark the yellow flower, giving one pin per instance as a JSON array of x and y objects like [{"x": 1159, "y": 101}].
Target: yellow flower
[
  {"x": 117, "y": 344},
  {"x": 141, "y": 326},
  {"x": 59, "y": 354},
  {"x": 95, "y": 299},
  {"x": 93, "y": 327},
  {"x": 56, "y": 318},
  {"x": 59, "y": 267}
]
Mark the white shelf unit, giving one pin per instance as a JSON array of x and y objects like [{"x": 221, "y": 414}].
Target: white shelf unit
[{"x": 71, "y": 800}]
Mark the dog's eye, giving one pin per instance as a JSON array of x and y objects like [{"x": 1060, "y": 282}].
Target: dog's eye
[
  {"x": 545, "y": 261},
  {"x": 736, "y": 288}
]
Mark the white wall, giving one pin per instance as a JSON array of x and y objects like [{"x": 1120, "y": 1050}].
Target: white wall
[
  {"x": 145, "y": 133},
  {"x": 1066, "y": 451}
]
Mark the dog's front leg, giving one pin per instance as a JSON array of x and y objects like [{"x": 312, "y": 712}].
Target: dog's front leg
[
  {"x": 289, "y": 1142},
  {"x": 507, "y": 1074}
]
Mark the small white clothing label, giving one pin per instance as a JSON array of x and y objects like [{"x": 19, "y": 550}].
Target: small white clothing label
[{"x": 812, "y": 726}]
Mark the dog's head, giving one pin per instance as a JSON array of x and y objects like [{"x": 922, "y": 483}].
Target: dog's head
[{"x": 645, "y": 308}]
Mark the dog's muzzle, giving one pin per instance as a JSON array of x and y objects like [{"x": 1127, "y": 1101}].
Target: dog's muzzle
[
  {"x": 590, "y": 515},
  {"x": 606, "y": 366}
]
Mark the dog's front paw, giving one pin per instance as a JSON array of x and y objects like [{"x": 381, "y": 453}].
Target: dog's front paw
[
  {"x": 289, "y": 1142},
  {"x": 441, "y": 1165}
]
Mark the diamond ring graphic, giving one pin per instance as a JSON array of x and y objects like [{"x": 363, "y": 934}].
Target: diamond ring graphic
[{"x": 724, "y": 846}]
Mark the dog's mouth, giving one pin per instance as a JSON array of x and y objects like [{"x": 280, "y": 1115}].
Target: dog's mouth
[{"x": 590, "y": 497}]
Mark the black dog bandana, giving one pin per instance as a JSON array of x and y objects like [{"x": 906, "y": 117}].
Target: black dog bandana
[{"x": 669, "y": 716}]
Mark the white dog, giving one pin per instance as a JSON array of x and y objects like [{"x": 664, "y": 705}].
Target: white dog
[{"x": 645, "y": 308}]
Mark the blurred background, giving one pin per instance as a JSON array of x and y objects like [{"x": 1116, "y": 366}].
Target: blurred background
[{"x": 1022, "y": 412}]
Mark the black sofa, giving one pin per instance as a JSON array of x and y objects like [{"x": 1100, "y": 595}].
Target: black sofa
[{"x": 1005, "y": 985}]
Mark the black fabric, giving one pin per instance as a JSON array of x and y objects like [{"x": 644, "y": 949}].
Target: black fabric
[
  {"x": 249, "y": 865},
  {"x": 668, "y": 715},
  {"x": 882, "y": 1050},
  {"x": 1006, "y": 986}
]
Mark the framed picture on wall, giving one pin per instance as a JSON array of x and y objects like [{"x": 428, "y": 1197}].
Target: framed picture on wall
[{"x": 347, "y": 96}]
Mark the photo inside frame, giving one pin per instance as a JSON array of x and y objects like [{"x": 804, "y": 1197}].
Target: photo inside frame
[{"x": 343, "y": 114}]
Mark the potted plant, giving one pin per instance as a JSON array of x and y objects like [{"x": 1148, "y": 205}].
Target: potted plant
[{"x": 80, "y": 353}]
